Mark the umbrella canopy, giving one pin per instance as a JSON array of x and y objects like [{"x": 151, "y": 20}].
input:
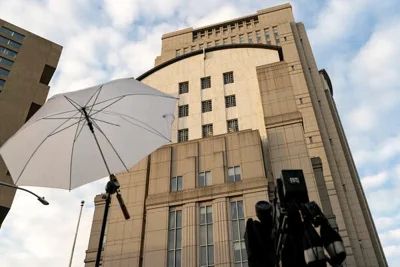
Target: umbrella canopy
[{"x": 57, "y": 147}]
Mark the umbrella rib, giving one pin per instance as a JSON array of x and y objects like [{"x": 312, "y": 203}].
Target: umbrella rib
[
  {"x": 37, "y": 148},
  {"x": 105, "y": 122},
  {"x": 67, "y": 127},
  {"x": 73, "y": 103},
  {"x": 123, "y": 115},
  {"x": 121, "y": 97},
  {"x": 72, "y": 153},
  {"x": 166, "y": 96},
  {"x": 99, "y": 90},
  {"x": 46, "y": 118},
  {"x": 119, "y": 157},
  {"x": 83, "y": 125}
]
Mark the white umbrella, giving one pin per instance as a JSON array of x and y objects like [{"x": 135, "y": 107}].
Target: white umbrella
[
  {"x": 57, "y": 148},
  {"x": 82, "y": 136}
]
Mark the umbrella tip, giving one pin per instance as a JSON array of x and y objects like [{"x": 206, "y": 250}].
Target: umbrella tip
[{"x": 43, "y": 201}]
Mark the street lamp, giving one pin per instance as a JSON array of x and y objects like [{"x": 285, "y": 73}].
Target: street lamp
[{"x": 41, "y": 199}]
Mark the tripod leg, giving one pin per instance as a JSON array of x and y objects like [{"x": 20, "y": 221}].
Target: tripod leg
[{"x": 103, "y": 229}]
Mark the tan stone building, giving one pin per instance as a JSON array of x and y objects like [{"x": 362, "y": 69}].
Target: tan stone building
[
  {"x": 27, "y": 64},
  {"x": 251, "y": 103}
]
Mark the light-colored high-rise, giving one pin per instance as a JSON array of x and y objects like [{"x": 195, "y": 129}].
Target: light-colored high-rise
[
  {"x": 27, "y": 64},
  {"x": 251, "y": 103}
]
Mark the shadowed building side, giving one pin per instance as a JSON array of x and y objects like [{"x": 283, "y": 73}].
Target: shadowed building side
[{"x": 27, "y": 64}]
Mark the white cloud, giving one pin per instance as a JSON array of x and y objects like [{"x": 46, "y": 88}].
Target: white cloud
[
  {"x": 374, "y": 181},
  {"x": 121, "y": 12}
]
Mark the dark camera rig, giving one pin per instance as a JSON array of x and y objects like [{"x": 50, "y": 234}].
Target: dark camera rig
[{"x": 286, "y": 235}]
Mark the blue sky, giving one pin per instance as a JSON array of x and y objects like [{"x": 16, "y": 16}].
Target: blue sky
[{"x": 356, "y": 41}]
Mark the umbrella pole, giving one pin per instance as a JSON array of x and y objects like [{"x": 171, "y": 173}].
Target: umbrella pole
[
  {"x": 103, "y": 229},
  {"x": 111, "y": 188}
]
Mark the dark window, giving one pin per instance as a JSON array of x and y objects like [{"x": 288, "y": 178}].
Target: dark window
[
  {"x": 47, "y": 74},
  {"x": 206, "y": 82},
  {"x": 183, "y": 135},
  {"x": 9, "y": 42},
  {"x": 267, "y": 38},
  {"x": 228, "y": 77},
  {"x": 12, "y": 33},
  {"x": 230, "y": 101},
  {"x": 6, "y": 62},
  {"x": 238, "y": 230},
  {"x": 176, "y": 184},
  {"x": 183, "y": 87},
  {"x": 204, "y": 179},
  {"x": 207, "y": 130},
  {"x": 4, "y": 72},
  {"x": 32, "y": 110},
  {"x": 174, "y": 238},
  {"x": 206, "y": 237},
  {"x": 234, "y": 174},
  {"x": 206, "y": 106},
  {"x": 241, "y": 38},
  {"x": 2, "y": 82},
  {"x": 233, "y": 126},
  {"x": 258, "y": 36},
  {"x": 250, "y": 38},
  {"x": 183, "y": 111},
  {"x": 276, "y": 35},
  {"x": 8, "y": 51}
]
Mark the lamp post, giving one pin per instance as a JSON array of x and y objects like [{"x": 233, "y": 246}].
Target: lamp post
[
  {"x": 76, "y": 234},
  {"x": 41, "y": 199}
]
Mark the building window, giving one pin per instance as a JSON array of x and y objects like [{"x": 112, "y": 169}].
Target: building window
[
  {"x": 205, "y": 82},
  {"x": 209, "y": 44},
  {"x": 238, "y": 229},
  {"x": 225, "y": 28},
  {"x": 232, "y": 125},
  {"x": 206, "y": 106},
  {"x": 5, "y": 62},
  {"x": 228, "y": 77},
  {"x": 183, "y": 135},
  {"x": 233, "y": 27},
  {"x": 240, "y": 25},
  {"x": 206, "y": 237},
  {"x": 217, "y": 42},
  {"x": 250, "y": 38},
  {"x": 176, "y": 184},
  {"x": 183, "y": 111},
  {"x": 185, "y": 50},
  {"x": 234, "y": 174},
  {"x": 4, "y": 72},
  {"x": 217, "y": 31},
  {"x": 267, "y": 37},
  {"x": 202, "y": 35},
  {"x": 183, "y": 88},
  {"x": 258, "y": 37},
  {"x": 207, "y": 130},
  {"x": 248, "y": 24},
  {"x": 174, "y": 238},
  {"x": 256, "y": 22},
  {"x": 204, "y": 179},
  {"x": 233, "y": 40},
  {"x": 301, "y": 100},
  {"x": 177, "y": 53},
  {"x": 8, "y": 51},
  {"x": 241, "y": 38},
  {"x": 12, "y": 33},
  {"x": 194, "y": 36},
  {"x": 310, "y": 139},
  {"x": 193, "y": 48},
  {"x": 9, "y": 42},
  {"x": 276, "y": 35},
  {"x": 230, "y": 101},
  {"x": 201, "y": 46},
  {"x": 225, "y": 41},
  {"x": 2, "y": 82}
]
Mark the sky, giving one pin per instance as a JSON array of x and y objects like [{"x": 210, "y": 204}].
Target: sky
[{"x": 356, "y": 41}]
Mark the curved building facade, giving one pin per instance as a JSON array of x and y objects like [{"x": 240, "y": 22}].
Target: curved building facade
[{"x": 251, "y": 103}]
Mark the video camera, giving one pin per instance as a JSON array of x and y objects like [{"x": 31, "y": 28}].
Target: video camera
[{"x": 285, "y": 234}]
